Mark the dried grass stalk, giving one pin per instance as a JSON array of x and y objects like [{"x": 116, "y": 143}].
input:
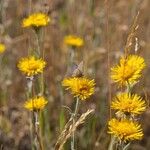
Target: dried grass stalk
[
  {"x": 131, "y": 35},
  {"x": 70, "y": 128}
]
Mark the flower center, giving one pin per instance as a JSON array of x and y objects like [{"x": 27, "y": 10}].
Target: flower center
[
  {"x": 128, "y": 74},
  {"x": 84, "y": 89},
  {"x": 33, "y": 66}
]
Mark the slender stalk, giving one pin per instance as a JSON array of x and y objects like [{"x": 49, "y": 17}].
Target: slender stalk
[
  {"x": 42, "y": 55},
  {"x": 108, "y": 53},
  {"x": 31, "y": 130},
  {"x": 111, "y": 144},
  {"x": 37, "y": 33},
  {"x": 30, "y": 6},
  {"x": 40, "y": 84},
  {"x": 74, "y": 118},
  {"x": 37, "y": 128},
  {"x": 3, "y": 12},
  {"x": 41, "y": 76},
  {"x": 30, "y": 87},
  {"x": 29, "y": 95},
  {"x": 128, "y": 87},
  {"x": 126, "y": 147},
  {"x": 29, "y": 37},
  {"x": 76, "y": 107},
  {"x": 71, "y": 58}
]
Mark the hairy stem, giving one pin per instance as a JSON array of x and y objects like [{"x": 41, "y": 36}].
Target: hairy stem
[
  {"x": 74, "y": 119},
  {"x": 111, "y": 144}
]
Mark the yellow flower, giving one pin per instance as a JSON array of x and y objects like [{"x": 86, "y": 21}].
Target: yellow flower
[
  {"x": 37, "y": 103},
  {"x": 36, "y": 20},
  {"x": 31, "y": 66},
  {"x": 72, "y": 40},
  {"x": 125, "y": 130},
  {"x": 81, "y": 87},
  {"x": 128, "y": 71},
  {"x": 2, "y": 48},
  {"x": 127, "y": 103}
]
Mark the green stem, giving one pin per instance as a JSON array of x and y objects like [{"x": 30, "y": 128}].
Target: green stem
[
  {"x": 37, "y": 130},
  {"x": 39, "y": 55},
  {"x": 71, "y": 59},
  {"x": 29, "y": 94},
  {"x": 111, "y": 144},
  {"x": 128, "y": 87},
  {"x": 126, "y": 146},
  {"x": 76, "y": 107},
  {"x": 74, "y": 118},
  {"x": 38, "y": 42}
]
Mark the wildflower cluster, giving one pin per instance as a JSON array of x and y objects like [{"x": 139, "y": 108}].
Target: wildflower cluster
[
  {"x": 127, "y": 105},
  {"x": 80, "y": 86},
  {"x": 32, "y": 67}
]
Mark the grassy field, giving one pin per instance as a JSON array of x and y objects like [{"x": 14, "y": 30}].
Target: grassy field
[{"x": 109, "y": 29}]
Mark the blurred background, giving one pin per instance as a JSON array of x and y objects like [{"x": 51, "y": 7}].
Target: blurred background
[{"x": 84, "y": 18}]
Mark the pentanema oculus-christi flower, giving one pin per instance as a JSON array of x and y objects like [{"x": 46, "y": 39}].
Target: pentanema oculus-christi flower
[
  {"x": 128, "y": 71},
  {"x": 128, "y": 103},
  {"x": 72, "y": 40},
  {"x": 125, "y": 130},
  {"x": 36, "y": 20},
  {"x": 80, "y": 87},
  {"x": 31, "y": 66},
  {"x": 36, "y": 104}
]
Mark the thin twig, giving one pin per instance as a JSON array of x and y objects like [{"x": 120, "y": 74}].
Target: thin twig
[
  {"x": 74, "y": 119},
  {"x": 108, "y": 53}
]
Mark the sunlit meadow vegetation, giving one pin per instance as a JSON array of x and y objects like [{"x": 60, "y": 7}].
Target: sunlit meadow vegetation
[{"x": 74, "y": 75}]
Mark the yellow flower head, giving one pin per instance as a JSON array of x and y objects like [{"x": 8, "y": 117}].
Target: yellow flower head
[
  {"x": 36, "y": 20},
  {"x": 37, "y": 103},
  {"x": 125, "y": 130},
  {"x": 31, "y": 66},
  {"x": 2, "y": 48},
  {"x": 127, "y": 103},
  {"x": 72, "y": 40},
  {"x": 128, "y": 71},
  {"x": 81, "y": 87}
]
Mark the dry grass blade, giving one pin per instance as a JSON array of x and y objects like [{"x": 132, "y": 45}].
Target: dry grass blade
[
  {"x": 131, "y": 35},
  {"x": 63, "y": 133},
  {"x": 69, "y": 129}
]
